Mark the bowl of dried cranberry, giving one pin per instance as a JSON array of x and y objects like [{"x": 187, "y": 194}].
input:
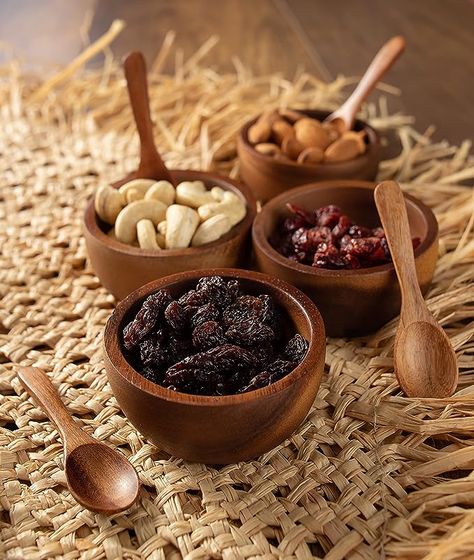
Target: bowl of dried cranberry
[
  {"x": 215, "y": 366},
  {"x": 325, "y": 238}
]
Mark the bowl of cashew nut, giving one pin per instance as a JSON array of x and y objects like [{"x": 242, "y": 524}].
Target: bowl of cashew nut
[{"x": 147, "y": 229}]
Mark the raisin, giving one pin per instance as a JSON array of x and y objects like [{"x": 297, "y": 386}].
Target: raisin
[
  {"x": 296, "y": 349},
  {"x": 260, "y": 380},
  {"x": 146, "y": 318},
  {"x": 214, "y": 289},
  {"x": 153, "y": 350},
  {"x": 193, "y": 298},
  {"x": 264, "y": 354},
  {"x": 243, "y": 309},
  {"x": 176, "y": 317},
  {"x": 224, "y": 358},
  {"x": 208, "y": 335},
  {"x": 233, "y": 289},
  {"x": 207, "y": 312},
  {"x": 250, "y": 333},
  {"x": 269, "y": 314},
  {"x": 279, "y": 368}
]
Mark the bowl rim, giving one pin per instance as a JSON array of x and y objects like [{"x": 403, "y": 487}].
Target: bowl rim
[
  {"x": 261, "y": 242},
  {"x": 92, "y": 227},
  {"x": 372, "y": 135},
  {"x": 306, "y": 308}
]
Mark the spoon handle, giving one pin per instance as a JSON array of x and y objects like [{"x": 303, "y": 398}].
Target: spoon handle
[
  {"x": 383, "y": 60},
  {"x": 393, "y": 215},
  {"x": 43, "y": 392},
  {"x": 151, "y": 163}
]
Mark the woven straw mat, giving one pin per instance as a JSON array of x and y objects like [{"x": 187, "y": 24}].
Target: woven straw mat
[{"x": 369, "y": 473}]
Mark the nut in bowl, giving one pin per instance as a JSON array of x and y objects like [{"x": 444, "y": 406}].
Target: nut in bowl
[
  {"x": 144, "y": 230},
  {"x": 349, "y": 275},
  {"x": 299, "y": 148},
  {"x": 205, "y": 427}
]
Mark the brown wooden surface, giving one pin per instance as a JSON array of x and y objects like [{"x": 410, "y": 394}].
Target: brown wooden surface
[{"x": 436, "y": 73}]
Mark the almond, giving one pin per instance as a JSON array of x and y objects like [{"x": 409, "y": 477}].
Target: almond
[
  {"x": 311, "y": 155},
  {"x": 347, "y": 147},
  {"x": 291, "y": 147},
  {"x": 290, "y": 116},
  {"x": 310, "y": 133},
  {"x": 280, "y": 130},
  {"x": 268, "y": 149}
]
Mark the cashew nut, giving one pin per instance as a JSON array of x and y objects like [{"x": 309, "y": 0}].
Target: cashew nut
[
  {"x": 162, "y": 191},
  {"x": 181, "y": 223},
  {"x": 211, "y": 229},
  {"x": 108, "y": 203},
  {"x": 193, "y": 194},
  {"x": 162, "y": 227},
  {"x": 133, "y": 194},
  {"x": 217, "y": 193},
  {"x": 146, "y": 234},
  {"x": 231, "y": 205},
  {"x": 126, "y": 223},
  {"x": 161, "y": 241},
  {"x": 141, "y": 185}
]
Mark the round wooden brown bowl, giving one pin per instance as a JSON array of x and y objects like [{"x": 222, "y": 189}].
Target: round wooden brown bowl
[
  {"x": 352, "y": 302},
  {"x": 123, "y": 268},
  {"x": 218, "y": 430},
  {"x": 268, "y": 177}
]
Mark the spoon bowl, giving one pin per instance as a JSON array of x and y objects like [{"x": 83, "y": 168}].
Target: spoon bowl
[
  {"x": 418, "y": 347},
  {"x": 101, "y": 479}
]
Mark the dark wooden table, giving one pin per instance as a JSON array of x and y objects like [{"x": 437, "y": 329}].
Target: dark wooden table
[{"x": 436, "y": 73}]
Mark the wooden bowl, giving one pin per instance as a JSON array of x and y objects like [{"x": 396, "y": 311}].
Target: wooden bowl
[
  {"x": 269, "y": 177},
  {"x": 352, "y": 302},
  {"x": 123, "y": 268},
  {"x": 218, "y": 430}
]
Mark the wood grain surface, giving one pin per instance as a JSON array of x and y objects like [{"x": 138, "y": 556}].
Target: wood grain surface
[{"x": 436, "y": 73}]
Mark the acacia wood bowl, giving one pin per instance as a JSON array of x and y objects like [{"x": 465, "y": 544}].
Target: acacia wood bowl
[
  {"x": 352, "y": 302},
  {"x": 123, "y": 268},
  {"x": 226, "y": 429},
  {"x": 268, "y": 177}
]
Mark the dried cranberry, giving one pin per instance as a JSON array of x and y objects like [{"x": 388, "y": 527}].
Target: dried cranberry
[{"x": 328, "y": 216}]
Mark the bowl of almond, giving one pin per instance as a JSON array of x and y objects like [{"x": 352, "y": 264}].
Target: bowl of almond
[{"x": 285, "y": 148}]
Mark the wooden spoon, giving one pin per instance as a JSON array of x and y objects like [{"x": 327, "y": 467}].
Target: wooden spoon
[
  {"x": 425, "y": 362},
  {"x": 383, "y": 60},
  {"x": 151, "y": 165},
  {"x": 98, "y": 477}
]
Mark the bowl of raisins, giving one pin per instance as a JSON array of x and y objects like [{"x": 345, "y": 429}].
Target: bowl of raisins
[
  {"x": 270, "y": 175},
  {"x": 326, "y": 239},
  {"x": 215, "y": 366},
  {"x": 123, "y": 268}
]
